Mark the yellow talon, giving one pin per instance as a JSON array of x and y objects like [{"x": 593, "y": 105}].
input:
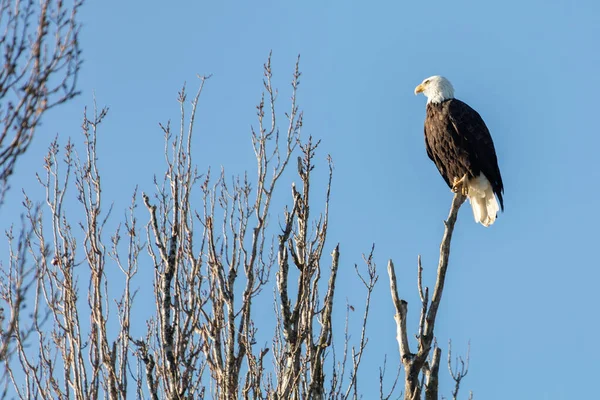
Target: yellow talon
[{"x": 460, "y": 184}]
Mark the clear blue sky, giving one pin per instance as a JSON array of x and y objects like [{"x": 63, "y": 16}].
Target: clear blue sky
[{"x": 524, "y": 291}]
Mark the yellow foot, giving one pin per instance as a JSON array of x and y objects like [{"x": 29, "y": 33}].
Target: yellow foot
[{"x": 460, "y": 184}]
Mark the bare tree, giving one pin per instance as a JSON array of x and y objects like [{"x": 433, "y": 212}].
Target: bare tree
[
  {"x": 41, "y": 56},
  {"x": 211, "y": 264},
  {"x": 213, "y": 250}
]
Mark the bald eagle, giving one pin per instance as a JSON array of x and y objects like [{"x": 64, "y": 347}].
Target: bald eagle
[{"x": 460, "y": 145}]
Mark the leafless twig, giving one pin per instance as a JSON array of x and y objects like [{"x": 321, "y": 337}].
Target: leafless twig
[
  {"x": 458, "y": 373},
  {"x": 382, "y": 371},
  {"x": 40, "y": 51}
]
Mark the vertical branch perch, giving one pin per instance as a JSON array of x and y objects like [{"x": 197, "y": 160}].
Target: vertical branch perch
[
  {"x": 415, "y": 363},
  {"x": 442, "y": 265}
]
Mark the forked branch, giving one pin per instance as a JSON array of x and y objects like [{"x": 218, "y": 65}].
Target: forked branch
[
  {"x": 39, "y": 48},
  {"x": 458, "y": 372},
  {"x": 414, "y": 363}
]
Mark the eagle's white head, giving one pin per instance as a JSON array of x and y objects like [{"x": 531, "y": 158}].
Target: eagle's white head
[{"x": 436, "y": 88}]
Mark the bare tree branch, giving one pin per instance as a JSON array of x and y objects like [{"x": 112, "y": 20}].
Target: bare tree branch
[
  {"x": 432, "y": 375},
  {"x": 458, "y": 373},
  {"x": 382, "y": 371},
  {"x": 41, "y": 56},
  {"x": 369, "y": 284},
  {"x": 414, "y": 363},
  {"x": 15, "y": 282}
]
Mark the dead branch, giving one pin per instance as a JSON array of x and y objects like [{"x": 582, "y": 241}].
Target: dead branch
[
  {"x": 72, "y": 358},
  {"x": 414, "y": 363},
  {"x": 458, "y": 373},
  {"x": 432, "y": 374},
  {"x": 41, "y": 60},
  {"x": 357, "y": 354},
  {"x": 15, "y": 282},
  {"x": 382, "y": 371},
  {"x": 172, "y": 353},
  {"x": 40, "y": 51}
]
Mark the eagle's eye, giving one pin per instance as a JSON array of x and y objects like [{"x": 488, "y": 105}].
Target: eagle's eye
[{"x": 426, "y": 81}]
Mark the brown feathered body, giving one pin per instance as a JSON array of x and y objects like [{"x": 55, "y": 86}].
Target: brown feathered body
[{"x": 459, "y": 143}]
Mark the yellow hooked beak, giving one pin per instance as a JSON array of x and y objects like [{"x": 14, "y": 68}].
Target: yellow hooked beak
[{"x": 419, "y": 89}]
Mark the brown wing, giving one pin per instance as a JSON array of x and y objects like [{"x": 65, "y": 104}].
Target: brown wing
[
  {"x": 445, "y": 147},
  {"x": 477, "y": 141}
]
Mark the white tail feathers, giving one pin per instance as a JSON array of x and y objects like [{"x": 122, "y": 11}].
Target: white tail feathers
[{"x": 483, "y": 201}]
